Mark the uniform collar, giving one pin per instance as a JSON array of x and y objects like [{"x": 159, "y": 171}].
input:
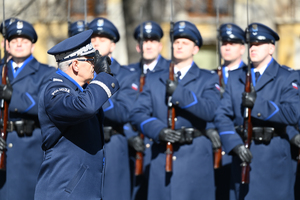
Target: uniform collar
[
  {"x": 61, "y": 73},
  {"x": 151, "y": 66},
  {"x": 183, "y": 70}
]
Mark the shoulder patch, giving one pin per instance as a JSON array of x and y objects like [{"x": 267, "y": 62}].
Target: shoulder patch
[
  {"x": 60, "y": 90},
  {"x": 57, "y": 80}
]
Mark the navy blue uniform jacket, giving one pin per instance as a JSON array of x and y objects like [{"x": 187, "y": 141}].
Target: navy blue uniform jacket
[
  {"x": 196, "y": 98},
  {"x": 276, "y": 106},
  {"x": 71, "y": 120},
  {"x": 24, "y": 154},
  {"x": 116, "y": 111}
]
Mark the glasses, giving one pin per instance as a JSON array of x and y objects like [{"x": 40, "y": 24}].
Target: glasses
[{"x": 90, "y": 60}]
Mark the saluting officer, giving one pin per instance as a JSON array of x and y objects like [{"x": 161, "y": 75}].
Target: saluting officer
[
  {"x": 151, "y": 61},
  {"x": 196, "y": 97},
  {"x": 116, "y": 111},
  {"x": 232, "y": 49},
  {"x": 274, "y": 103},
  {"x": 26, "y": 79},
  {"x": 71, "y": 118}
]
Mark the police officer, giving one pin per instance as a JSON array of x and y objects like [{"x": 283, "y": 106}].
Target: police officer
[
  {"x": 26, "y": 78},
  {"x": 232, "y": 49},
  {"x": 149, "y": 46},
  {"x": 195, "y": 97},
  {"x": 116, "y": 110},
  {"x": 71, "y": 119},
  {"x": 7, "y": 23},
  {"x": 274, "y": 102},
  {"x": 76, "y": 27}
]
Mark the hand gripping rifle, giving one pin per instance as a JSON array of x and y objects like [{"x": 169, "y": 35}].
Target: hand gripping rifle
[
  {"x": 171, "y": 109},
  {"x": 218, "y": 152},
  {"x": 247, "y": 114},
  {"x": 4, "y": 104},
  {"x": 139, "y": 158}
]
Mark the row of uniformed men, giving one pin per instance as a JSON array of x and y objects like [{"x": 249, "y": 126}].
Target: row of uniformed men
[{"x": 70, "y": 129}]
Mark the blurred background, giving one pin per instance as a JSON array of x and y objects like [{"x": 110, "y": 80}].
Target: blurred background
[{"x": 50, "y": 20}]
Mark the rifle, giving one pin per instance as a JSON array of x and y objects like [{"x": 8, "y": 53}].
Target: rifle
[
  {"x": 69, "y": 13},
  {"x": 139, "y": 158},
  {"x": 171, "y": 108},
  {"x": 85, "y": 16},
  {"x": 4, "y": 104},
  {"x": 247, "y": 114},
  {"x": 218, "y": 152}
]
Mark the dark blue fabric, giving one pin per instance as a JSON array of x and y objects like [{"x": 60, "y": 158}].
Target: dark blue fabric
[
  {"x": 76, "y": 27},
  {"x": 184, "y": 183},
  {"x": 24, "y": 154},
  {"x": 103, "y": 27},
  {"x": 232, "y": 33},
  {"x": 139, "y": 185},
  {"x": 21, "y": 28},
  {"x": 71, "y": 122},
  {"x": 151, "y": 30},
  {"x": 262, "y": 33},
  {"x": 276, "y": 105},
  {"x": 185, "y": 29}
]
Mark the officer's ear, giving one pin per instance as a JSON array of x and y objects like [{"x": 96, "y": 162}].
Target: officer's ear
[
  {"x": 271, "y": 48},
  {"x": 75, "y": 66},
  {"x": 195, "y": 49},
  {"x": 137, "y": 47}
]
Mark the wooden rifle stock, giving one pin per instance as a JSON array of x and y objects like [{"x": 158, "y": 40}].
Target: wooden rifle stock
[
  {"x": 171, "y": 120},
  {"x": 4, "y": 116},
  {"x": 218, "y": 152},
  {"x": 139, "y": 157},
  {"x": 247, "y": 132}
]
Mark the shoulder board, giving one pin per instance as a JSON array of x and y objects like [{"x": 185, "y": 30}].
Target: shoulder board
[
  {"x": 128, "y": 67},
  {"x": 287, "y": 68},
  {"x": 57, "y": 80},
  {"x": 208, "y": 71}
]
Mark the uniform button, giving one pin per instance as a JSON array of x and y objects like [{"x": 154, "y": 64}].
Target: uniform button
[
  {"x": 177, "y": 102},
  {"x": 16, "y": 109},
  {"x": 113, "y": 85},
  {"x": 148, "y": 145},
  {"x": 174, "y": 158},
  {"x": 150, "y": 139},
  {"x": 175, "y": 119},
  {"x": 223, "y": 153},
  {"x": 258, "y": 114},
  {"x": 10, "y": 145}
]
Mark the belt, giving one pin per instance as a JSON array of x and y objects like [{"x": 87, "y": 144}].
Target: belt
[
  {"x": 22, "y": 127},
  {"x": 264, "y": 134}
]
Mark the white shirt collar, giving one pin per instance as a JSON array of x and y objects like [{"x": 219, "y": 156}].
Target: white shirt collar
[
  {"x": 150, "y": 66},
  {"x": 15, "y": 64},
  {"x": 261, "y": 70},
  {"x": 183, "y": 71}
]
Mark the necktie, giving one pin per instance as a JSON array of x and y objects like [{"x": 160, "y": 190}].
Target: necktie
[
  {"x": 16, "y": 69},
  {"x": 257, "y": 75},
  {"x": 178, "y": 75}
]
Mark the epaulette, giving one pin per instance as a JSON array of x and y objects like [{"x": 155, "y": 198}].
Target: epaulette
[
  {"x": 287, "y": 68},
  {"x": 132, "y": 69}
]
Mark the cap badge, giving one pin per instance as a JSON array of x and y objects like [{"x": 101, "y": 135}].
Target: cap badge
[
  {"x": 100, "y": 22},
  {"x": 181, "y": 26},
  {"x": 80, "y": 24},
  {"x": 19, "y": 25},
  {"x": 229, "y": 29},
  {"x": 148, "y": 27},
  {"x": 254, "y": 29}
]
